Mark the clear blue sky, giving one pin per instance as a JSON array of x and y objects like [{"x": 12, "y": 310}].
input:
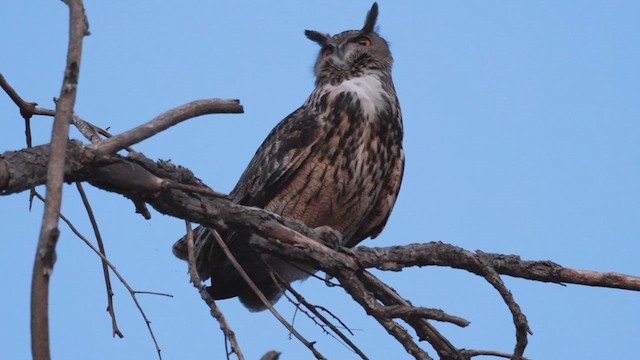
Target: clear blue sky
[{"x": 522, "y": 124}]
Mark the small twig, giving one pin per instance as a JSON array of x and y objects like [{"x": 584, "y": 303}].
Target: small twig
[
  {"x": 261, "y": 296},
  {"x": 314, "y": 309},
  {"x": 152, "y": 293},
  {"x": 164, "y": 121},
  {"x": 105, "y": 268},
  {"x": 401, "y": 311},
  {"x": 88, "y": 130},
  {"x": 468, "y": 353},
  {"x": 519, "y": 319},
  {"x": 168, "y": 184},
  {"x": 215, "y": 311}
]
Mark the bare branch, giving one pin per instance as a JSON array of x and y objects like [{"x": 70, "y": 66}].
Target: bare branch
[
  {"x": 105, "y": 268},
  {"x": 440, "y": 254},
  {"x": 468, "y": 353},
  {"x": 124, "y": 282},
  {"x": 389, "y": 297},
  {"x": 261, "y": 296},
  {"x": 165, "y": 121},
  {"x": 400, "y": 311},
  {"x": 314, "y": 309},
  {"x": 49, "y": 232},
  {"x": 26, "y": 108},
  {"x": 519, "y": 320},
  {"x": 215, "y": 311},
  {"x": 365, "y": 298}
]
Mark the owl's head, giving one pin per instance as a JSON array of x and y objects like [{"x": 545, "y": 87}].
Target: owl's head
[{"x": 351, "y": 53}]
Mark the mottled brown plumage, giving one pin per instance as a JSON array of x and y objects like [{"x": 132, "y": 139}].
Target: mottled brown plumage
[{"x": 337, "y": 161}]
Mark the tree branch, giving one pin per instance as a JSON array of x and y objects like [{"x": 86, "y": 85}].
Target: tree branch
[
  {"x": 440, "y": 254},
  {"x": 215, "y": 311},
  {"x": 105, "y": 267},
  {"x": 164, "y": 121},
  {"x": 49, "y": 232}
]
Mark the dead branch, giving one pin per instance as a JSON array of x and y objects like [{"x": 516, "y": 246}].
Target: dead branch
[
  {"x": 215, "y": 311},
  {"x": 262, "y": 298},
  {"x": 400, "y": 311},
  {"x": 519, "y": 320},
  {"x": 49, "y": 232},
  {"x": 314, "y": 309},
  {"x": 441, "y": 254},
  {"x": 124, "y": 282},
  {"x": 105, "y": 267},
  {"x": 165, "y": 121}
]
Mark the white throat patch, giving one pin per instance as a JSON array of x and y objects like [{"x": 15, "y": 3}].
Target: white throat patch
[{"x": 368, "y": 89}]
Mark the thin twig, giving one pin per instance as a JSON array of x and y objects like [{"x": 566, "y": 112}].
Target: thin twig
[
  {"x": 105, "y": 268},
  {"x": 261, "y": 296},
  {"x": 401, "y": 311},
  {"x": 168, "y": 184},
  {"x": 49, "y": 232},
  {"x": 152, "y": 293},
  {"x": 124, "y": 282},
  {"x": 313, "y": 308},
  {"x": 469, "y": 353},
  {"x": 215, "y": 311}
]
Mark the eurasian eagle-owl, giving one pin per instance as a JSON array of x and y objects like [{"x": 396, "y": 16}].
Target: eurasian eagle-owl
[{"x": 335, "y": 162}]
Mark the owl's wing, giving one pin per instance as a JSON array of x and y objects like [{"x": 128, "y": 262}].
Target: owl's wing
[
  {"x": 278, "y": 158},
  {"x": 377, "y": 219}
]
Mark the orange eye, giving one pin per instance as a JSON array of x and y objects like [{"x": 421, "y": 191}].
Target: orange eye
[{"x": 364, "y": 41}]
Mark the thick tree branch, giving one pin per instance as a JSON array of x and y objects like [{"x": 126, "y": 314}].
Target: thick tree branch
[{"x": 49, "y": 232}]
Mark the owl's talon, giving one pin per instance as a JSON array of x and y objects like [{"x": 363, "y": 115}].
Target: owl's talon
[{"x": 329, "y": 236}]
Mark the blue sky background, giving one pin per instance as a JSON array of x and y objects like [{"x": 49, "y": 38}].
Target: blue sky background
[{"x": 522, "y": 124}]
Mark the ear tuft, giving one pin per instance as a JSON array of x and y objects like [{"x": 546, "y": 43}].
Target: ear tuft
[
  {"x": 320, "y": 38},
  {"x": 370, "y": 22}
]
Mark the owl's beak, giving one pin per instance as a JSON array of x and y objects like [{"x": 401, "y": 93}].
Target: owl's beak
[{"x": 338, "y": 55}]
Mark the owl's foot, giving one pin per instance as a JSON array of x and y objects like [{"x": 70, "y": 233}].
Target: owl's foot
[{"x": 329, "y": 236}]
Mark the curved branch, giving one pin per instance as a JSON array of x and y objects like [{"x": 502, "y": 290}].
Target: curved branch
[
  {"x": 440, "y": 254},
  {"x": 164, "y": 121}
]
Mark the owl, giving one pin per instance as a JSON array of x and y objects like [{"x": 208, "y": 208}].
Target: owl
[{"x": 336, "y": 162}]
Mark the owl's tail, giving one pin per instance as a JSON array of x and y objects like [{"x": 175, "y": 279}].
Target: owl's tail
[{"x": 226, "y": 281}]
